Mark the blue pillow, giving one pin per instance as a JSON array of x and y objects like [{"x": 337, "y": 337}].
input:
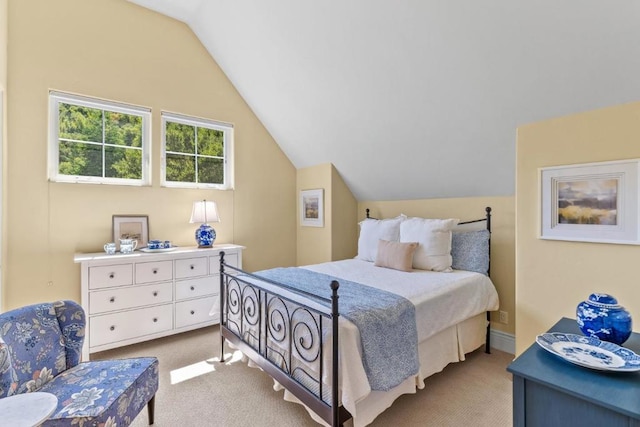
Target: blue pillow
[{"x": 470, "y": 250}]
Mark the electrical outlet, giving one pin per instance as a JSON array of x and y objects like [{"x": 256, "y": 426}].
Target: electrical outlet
[{"x": 504, "y": 317}]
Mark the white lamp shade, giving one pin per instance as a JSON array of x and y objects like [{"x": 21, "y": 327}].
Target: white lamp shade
[{"x": 204, "y": 211}]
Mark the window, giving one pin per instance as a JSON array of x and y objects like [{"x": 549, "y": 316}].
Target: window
[
  {"x": 196, "y": 153},
  {"x": 96, "y": 141}
]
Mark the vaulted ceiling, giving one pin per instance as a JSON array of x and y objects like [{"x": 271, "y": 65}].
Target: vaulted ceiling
[{"x": 413, "y": 99}]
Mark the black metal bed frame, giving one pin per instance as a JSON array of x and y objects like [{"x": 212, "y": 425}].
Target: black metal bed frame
[{"x": 285, "y": 336}]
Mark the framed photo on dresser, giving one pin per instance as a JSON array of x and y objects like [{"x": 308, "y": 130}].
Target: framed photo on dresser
[{"x": 134, "y": 227}]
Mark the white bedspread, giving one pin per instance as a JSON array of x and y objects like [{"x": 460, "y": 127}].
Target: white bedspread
[{"x": 441, "y": 299}]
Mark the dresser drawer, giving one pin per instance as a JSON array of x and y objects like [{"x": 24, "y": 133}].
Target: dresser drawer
[
  {"x": 106, "y": 276},
  {"x": 156, "y": 271},
  {"x": 197, "y": 287},
  {"x": 194, "y": 311},
  {"x": 191, "y": 267},
  {"x": 214, "y": 262},
  {"x": 129, "y": 297},
  {"x": 110, "y": 328}
]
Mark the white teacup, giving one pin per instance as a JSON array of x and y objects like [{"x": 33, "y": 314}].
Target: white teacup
[
  {"x": 128, "y": 245},
  {"x": 110, "y": 248}
]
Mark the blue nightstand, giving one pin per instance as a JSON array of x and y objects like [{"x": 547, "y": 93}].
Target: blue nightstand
[{"x": 549, "y": 391}]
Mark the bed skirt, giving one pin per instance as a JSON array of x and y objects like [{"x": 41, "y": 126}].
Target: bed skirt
[{"x": 435, "y": 353}]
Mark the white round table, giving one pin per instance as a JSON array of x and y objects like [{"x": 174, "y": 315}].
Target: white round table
[{"x": 27, "y": 409}]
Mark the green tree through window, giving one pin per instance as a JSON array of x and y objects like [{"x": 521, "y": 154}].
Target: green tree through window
[
  {"x": 98, "y": 141},
  {"x": 196, "y": 152}
]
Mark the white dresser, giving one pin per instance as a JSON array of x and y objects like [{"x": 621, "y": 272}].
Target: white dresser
[{"x": 136, "y": 297}]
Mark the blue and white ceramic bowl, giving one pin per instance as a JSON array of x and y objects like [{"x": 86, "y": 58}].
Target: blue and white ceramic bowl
[
  {"x": 155, "y": 244},
  {"x": 601, "y": 316}
]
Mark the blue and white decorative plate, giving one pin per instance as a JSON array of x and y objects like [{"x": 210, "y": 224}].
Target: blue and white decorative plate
[{"x": 590, "y": 352}]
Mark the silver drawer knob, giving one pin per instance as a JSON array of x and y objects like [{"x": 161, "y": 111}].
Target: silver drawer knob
[
  {"x": 193, "y": 289},
  {"x": 112, "y": 299},
  {"x": 193, "y": 312},
  {"x": 155, "y": 294},
  {"x": 192, "y": 266},
  {"x": 155, "y": 271},
  {"x": 155, "y": 319},
  {"x": 113, "y": 328},
  {"x": 112, "y": 275}
]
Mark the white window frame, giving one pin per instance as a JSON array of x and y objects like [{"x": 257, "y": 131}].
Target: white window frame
[
  {"x": 226, "y": 128},
  {"x": 55, "y": 98}
]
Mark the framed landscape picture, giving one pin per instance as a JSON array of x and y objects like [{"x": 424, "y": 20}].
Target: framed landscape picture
[
  {"x": 311, "y": 208},
  {"x": 591, "y": 202},
  {"x": 131, "y": 227}
]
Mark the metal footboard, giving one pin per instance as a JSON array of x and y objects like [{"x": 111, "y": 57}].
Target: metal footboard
[{"x": 286, "y": 337}]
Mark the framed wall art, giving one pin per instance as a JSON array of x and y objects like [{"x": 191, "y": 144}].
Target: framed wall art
[
  {"x": 591, "y": 202},
  {"x": 312, "y": 208},
  {"x": 131, "y": 227}
]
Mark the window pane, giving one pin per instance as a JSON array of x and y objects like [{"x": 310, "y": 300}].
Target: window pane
[
  {"x": 80, "y": 159},
  {"x": 180, "y": 138},
  {"x": 102, "y": 140},
  {"x": 210, "y": 142},
  {"x": 123, "y": 129},
  {"x": 80, "y": 123},
  {"x": 210, "y": 171},
  {"x": 197, "y": 152},
  {"x": 123, "y": 163},
  {"x": 181, "y": 168}
]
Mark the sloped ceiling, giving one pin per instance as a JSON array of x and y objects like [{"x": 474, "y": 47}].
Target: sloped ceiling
[{"x": 413, "y": 99}]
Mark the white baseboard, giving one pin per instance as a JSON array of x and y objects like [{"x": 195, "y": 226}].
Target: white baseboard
[{"x": 503, "y": 341}]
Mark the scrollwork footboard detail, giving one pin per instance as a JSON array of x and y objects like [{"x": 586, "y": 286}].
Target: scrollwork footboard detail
[{"x": 290, "y": 334}]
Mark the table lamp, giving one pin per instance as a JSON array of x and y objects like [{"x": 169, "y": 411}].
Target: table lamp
[{"x": 203, "y": 212}]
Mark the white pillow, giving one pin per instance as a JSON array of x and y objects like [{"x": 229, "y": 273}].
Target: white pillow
[
  {"x": 434, "y": 242},
  {"x": 373, "y": 230}
]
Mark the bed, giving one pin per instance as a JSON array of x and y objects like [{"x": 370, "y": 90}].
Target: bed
[{"x": 346, "y": 338}]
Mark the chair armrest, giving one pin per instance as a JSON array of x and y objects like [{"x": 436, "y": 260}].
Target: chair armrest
[{"x": 71, "y": 318}]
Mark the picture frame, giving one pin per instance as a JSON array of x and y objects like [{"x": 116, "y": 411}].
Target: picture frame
[
  {"x": 590, "y": 202},
  {"x": 312, "y": 208},
  {"x": 131, "y": 227}
]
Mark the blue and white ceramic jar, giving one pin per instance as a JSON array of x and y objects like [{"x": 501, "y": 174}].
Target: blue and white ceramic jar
[{"x": 601, "y": 316}]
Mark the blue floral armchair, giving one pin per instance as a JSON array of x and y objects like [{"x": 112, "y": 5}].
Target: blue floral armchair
[{"x": 40, "y": 348}]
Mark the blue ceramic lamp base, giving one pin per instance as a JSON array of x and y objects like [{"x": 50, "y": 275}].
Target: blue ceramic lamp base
[{"x": 205, "y": 236}]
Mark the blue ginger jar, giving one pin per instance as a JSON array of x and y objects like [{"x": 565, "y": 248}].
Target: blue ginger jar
[{"x": 601, "y": 316}]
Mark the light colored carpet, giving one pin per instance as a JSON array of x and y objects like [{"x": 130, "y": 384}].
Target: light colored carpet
[{"x": 195, "y": 390}]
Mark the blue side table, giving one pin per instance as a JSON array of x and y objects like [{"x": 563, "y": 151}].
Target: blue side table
[{"x": 549, "y": 391}]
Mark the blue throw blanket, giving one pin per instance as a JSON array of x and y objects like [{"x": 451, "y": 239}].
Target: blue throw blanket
[{"x": 386, "y": 321}]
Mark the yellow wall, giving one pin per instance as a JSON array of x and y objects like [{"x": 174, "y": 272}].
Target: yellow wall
[
  {"x": 314, "y": 243},
  {"x": 502, "y": 236},
  {"x": 3, "y": 43},
  {"x": 338, "y": 239},
  {"x": 554, "y": 276},
  {"x": 115, "y": 50},
  {"x": 344, "y": 215},
  {"x": 3, "y": 136}
]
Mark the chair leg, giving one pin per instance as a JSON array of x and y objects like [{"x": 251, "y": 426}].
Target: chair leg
[{"x": 150, "y": 408}]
